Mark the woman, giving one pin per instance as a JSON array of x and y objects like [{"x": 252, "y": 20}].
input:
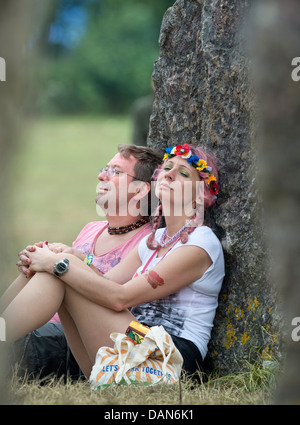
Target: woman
[{"x": 179, "y": 273}]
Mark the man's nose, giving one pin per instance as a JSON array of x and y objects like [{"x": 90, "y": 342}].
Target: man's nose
[{"x": 102, "y": 175}]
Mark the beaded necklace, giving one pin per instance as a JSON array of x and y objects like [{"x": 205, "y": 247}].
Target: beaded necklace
[
  {"x": 173, "y": 238},
  {"x": 125, "y": 229}
]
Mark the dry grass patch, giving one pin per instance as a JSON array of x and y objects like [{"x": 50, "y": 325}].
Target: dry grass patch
[{"x": 253, "y": 387}]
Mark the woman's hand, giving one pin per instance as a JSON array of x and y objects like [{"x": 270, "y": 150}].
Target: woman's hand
[
  {"x": 41, "y": 259},
  {"x": 60, "y": 247},
  {"x": 24, "y": 261}
]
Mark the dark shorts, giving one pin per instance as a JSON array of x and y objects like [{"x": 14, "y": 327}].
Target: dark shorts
[{"x": 192, "y": 359}]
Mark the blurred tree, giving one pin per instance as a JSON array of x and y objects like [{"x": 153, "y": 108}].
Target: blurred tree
[
  {"x": 22, "y": 16},
  {"x": 100, "y": 55}
]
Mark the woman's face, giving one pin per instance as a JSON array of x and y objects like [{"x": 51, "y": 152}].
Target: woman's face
[{"x": 178, "y": 186}]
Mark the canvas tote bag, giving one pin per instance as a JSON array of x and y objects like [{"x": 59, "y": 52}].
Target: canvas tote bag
[{"x": 155, "y": 360}]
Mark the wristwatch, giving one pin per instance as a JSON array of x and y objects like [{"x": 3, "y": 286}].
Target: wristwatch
[{"x": 61, "y": 267}]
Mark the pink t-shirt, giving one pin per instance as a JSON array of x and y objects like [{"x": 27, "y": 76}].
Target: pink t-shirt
[{"x": 86, "y": 240}]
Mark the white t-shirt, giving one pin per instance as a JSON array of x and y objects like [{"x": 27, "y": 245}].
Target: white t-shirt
[{"x": 188, "y": 313}]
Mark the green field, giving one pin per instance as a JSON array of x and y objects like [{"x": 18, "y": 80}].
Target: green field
[{"x": 55, "y": 175}]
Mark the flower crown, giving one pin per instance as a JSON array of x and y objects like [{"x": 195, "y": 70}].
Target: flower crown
[{"x": 185, "y": 152}]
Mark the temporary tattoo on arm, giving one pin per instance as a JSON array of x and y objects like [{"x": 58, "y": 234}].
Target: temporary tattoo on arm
[{"x": 154, "y": 279}]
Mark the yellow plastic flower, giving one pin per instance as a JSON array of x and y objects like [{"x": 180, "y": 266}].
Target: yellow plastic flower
[
  {"x": 201, "y": 164},
  {"x": 165, "y": 156},
  {"x": 210, "y": 178}
]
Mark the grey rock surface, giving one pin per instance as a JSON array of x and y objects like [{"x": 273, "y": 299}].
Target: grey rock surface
[{"x": 203, "y": 96}]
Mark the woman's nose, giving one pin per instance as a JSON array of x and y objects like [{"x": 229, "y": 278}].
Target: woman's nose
[{"x": 170, "y": 174}]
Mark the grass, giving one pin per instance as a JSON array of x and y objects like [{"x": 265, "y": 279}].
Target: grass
[{"x": 254, "y": 386}]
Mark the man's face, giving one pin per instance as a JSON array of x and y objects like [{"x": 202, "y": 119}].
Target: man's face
[{"x": 115, "y": 191}]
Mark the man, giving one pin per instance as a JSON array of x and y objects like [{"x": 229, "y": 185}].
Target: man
[{"x": 124, "y": 194}]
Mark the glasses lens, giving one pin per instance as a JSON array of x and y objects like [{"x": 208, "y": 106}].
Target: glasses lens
[{"x": 110, "y": 172}]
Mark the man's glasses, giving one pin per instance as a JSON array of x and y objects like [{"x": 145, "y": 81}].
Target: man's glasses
[{"x": 111, "y": 172}]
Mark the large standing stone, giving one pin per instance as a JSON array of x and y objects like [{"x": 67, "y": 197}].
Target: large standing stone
[{"x": 202, "y": 95}]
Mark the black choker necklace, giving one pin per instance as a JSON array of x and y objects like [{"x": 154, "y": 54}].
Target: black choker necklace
[{"x": 125, "y": 229}]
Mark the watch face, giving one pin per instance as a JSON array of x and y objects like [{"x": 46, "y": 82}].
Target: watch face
[{"x": 61, "y": 267}]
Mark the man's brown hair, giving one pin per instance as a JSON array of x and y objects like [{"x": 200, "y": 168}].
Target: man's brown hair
[{"x": 147, "y": 160}]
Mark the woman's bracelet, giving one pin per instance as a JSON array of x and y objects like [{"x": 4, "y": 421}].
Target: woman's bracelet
[{"x": 88, "y": 259}]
